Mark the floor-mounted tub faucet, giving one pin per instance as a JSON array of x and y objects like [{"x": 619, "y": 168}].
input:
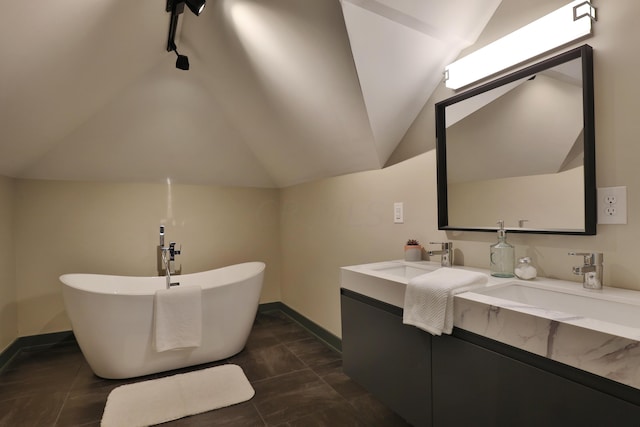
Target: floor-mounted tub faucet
[
  {"x": 445, "y": 252},
  {"x": 166, "y": 257},
  {"x": 591, "y": 271},
  {"x": 167, "y": 270}
]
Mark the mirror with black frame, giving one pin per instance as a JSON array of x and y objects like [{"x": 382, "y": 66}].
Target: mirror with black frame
[{"x": 522, "y": 149}]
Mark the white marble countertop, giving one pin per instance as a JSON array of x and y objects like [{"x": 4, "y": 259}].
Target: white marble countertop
[{"x": 604, "y": 342}]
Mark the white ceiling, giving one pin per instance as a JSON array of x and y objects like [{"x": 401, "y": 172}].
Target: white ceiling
[{"x": 278, "y": 93}]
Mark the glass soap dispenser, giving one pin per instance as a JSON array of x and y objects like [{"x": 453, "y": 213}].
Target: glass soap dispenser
[{"x": 502, "y": 255}]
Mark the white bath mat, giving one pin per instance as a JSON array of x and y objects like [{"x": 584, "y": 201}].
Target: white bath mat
[{"x": 166, "y": 399}]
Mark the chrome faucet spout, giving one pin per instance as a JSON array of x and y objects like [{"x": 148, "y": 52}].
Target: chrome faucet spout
[
  {"x": 446, "y": 253},
  {"x": 580, "y": 270},
  {"x": 591, "y": 270}
]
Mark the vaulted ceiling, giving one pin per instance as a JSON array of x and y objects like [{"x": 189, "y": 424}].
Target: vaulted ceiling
[{"x": 279, "y": 92}]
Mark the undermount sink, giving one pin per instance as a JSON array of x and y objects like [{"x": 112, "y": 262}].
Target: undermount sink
[
  {"x": 608, "y": 305},
  {"x": 384, "y": 281},
  {"x": 406, "y": 271}
]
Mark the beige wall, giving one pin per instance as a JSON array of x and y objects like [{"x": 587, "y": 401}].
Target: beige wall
[
  {"x": 64, "y": 227},
  {"x": 347, "y": 220},
  {"x": 8, "y": 304}
]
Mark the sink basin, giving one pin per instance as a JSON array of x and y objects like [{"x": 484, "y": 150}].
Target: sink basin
[
  {"x": 405, "y": 271},
  {"x": 384, "y": 281},
  {"x": 608, "y": 305}
]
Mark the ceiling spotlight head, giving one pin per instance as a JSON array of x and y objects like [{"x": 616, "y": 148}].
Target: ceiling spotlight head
[
  {"x": 182, "y": 62},
  {"x": 196, "y": 6}
]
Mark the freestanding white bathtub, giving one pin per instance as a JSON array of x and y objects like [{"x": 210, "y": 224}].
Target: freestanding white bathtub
[{"x": 112, "y": 318}]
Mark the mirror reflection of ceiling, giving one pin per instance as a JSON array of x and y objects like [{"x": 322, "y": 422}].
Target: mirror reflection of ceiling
[
  {"x": 278, "y": 93},
  {"x": 533, "y": 126}
]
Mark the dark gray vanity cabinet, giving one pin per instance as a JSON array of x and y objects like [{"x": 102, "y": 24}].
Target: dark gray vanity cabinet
[
  {"x": 389, "y": 359},
  {"x": 464, "y": 379},
  {"x": 475, "y": 386}
]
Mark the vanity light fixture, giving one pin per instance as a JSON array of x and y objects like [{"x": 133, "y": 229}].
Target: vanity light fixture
[
  {"x": 176, "y": 7},
  {"x": 569, "y": 23}
]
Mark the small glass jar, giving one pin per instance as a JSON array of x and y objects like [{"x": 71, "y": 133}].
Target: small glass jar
[{"x": 524, "y": 270}]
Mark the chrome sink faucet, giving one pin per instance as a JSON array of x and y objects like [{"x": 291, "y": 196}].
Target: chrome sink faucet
[
  {"x": 445, "y": 252},
  {"x": 166, "y": 259},
  {"x": 591, "y": 271}
]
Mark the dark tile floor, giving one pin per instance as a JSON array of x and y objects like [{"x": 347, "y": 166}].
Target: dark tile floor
[{"x": 298, "y": 382}]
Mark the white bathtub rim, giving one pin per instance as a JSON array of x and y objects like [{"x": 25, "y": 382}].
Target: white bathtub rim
[{"x": 147, "y": 285}]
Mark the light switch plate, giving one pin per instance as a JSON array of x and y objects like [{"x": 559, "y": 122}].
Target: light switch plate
[
  {"x": 398, "y": 213},
  {"x": 612, "y": 205}
]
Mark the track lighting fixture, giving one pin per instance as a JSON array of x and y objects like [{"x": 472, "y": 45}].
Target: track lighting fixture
[{"x": 176, "y": 7}]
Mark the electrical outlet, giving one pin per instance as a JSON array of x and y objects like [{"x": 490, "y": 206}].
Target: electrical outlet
[
  {"x": 398, "y": 213},
  {"x": 612, "y": 205}
]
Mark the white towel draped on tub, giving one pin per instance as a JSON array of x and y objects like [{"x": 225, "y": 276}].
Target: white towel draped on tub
[
  {"x": 178, "y": 318},
  {"x": 428, "y": 300}
]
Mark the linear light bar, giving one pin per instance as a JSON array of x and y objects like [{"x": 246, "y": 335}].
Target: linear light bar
[{"x": 558, "y": 28}]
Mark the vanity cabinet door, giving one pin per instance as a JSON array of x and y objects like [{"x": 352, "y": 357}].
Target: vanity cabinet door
[
  {"x": 474, "y": 386},
  {"x": 391, "y": 360}
]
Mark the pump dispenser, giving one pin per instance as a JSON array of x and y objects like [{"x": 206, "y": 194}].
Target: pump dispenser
[{"x": 502, "y": 255}]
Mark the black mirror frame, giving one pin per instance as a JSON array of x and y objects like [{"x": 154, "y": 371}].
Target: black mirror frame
[{"x": 590, "y": 199}]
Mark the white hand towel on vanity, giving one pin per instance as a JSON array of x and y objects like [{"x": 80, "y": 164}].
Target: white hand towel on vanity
[
  {"x": 178, "y": 318},
  {"x": 428, "y": 300}
]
